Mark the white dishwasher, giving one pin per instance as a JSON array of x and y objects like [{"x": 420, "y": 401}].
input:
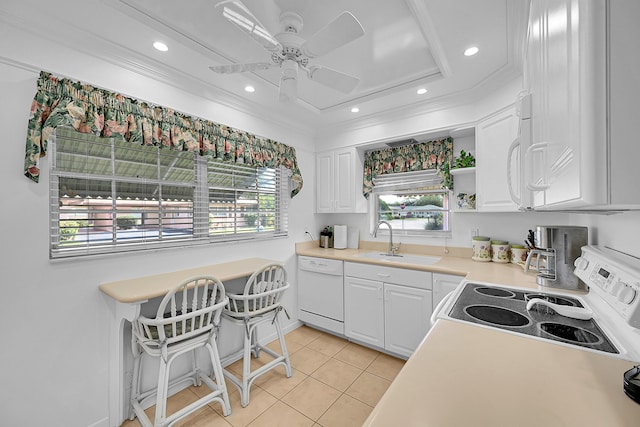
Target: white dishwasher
[{"x": 320, "y": 293}]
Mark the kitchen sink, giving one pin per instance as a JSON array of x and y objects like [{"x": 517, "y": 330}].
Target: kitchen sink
[{"x": 401, "y": 258}]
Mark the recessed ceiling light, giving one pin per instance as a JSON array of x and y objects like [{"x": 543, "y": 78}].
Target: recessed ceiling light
[
  {"x": 160, "y": 46},
  {"x": 355, "y": 109},
  {"x": 471, "y": 51},
  {"x": 250, "y": 88},
  {"x": 421, "y": 91}
]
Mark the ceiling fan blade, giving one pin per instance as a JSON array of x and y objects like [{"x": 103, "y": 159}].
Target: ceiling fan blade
[
  {"x": 241, "y": 68},
  {"x": 240, "y": 16},
  {"x": 288, "y": 81},
  {"x": 332, "y": 78},
  {"x": 340, "y": 31}
]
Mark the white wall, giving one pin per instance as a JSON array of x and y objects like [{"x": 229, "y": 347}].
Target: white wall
[{"x": 54, "y": 369}]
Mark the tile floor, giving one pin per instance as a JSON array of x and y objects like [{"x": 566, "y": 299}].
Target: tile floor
[{"x": 335, "y": 383}]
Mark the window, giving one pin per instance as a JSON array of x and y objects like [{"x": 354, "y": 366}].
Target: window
[
  {"x": 412, "y": 203},
  {"x": 108, "y": 195}
]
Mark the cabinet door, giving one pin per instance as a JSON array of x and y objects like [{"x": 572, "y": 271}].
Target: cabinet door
[
  {"x": 344, "y": 187},
  {"x": 406, "y": 318},
  {"x": 339, "y": 182},
  {"x": 566, "y": 70},
  {"x": 494, "y": 135},
  {"x": 324, "y": 183},
  {"x": 442, "y": 285},
  {"x": 364, "y": 311}
]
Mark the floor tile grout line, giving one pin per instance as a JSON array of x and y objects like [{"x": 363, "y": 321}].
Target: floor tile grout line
[{"x": 341, "y": 394}]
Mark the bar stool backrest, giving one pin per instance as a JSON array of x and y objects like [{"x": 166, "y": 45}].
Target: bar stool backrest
[
  {"x": 262, "y": 293},
  {"x": 191, "y": 309}
]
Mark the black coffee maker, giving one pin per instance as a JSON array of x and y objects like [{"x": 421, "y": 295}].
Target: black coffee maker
[{"x": 326, "y": 237}]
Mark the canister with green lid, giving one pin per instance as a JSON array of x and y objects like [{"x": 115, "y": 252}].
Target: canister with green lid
[
  {"x": 481, "y": 248},
  {"x": 500, "y": 250},
  {"x": 518, "y": 254}
]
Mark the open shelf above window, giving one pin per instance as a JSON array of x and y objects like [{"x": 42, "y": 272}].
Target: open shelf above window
[{"x": 462, "y": 171}]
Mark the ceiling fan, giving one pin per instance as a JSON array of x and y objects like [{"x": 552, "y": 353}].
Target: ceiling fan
[{"x": 291, "y": 52}]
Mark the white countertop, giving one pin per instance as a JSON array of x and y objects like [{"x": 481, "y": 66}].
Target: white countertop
[{"x": 466, "y": 375}]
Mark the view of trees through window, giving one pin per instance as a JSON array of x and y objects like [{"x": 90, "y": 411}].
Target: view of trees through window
[{"x": 415, "y": 211}]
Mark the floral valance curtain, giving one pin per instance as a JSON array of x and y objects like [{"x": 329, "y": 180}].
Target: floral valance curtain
[
  {"x": 436, "y": 154},
  {"x": 61, "y": 102}
]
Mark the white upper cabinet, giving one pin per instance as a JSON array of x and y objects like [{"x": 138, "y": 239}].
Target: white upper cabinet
[
  {"x": 565, "y": 66},
  {"x": 494, "y": 135},
  {"x": 339, "y": 182},
  {"x": 570, "y": 72}
]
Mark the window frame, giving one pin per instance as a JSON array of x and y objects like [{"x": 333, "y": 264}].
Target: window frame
[
  {"x": 199, "y": 232},
  {"x": 410, "y": 189}
]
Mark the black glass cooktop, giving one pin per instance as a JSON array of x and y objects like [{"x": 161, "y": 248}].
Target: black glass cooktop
[{"x": 505, "y": 308}]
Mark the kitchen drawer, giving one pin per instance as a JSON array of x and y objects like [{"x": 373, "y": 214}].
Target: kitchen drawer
[{"x": 398, "y": 276}]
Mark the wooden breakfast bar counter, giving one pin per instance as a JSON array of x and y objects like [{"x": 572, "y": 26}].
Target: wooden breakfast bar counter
[{"x": 124, "y": 301}]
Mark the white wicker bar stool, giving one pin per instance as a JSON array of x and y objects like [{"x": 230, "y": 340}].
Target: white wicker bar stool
[
  {"x": 259, "y": 303},
  {"x": 187, "y": 319}
]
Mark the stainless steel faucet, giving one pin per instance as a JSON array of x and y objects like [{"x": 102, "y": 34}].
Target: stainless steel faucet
[{"x": 393, "y": 250}]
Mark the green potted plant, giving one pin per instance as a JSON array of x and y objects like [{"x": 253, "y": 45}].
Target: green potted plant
[{"x": 465, "y": 160}]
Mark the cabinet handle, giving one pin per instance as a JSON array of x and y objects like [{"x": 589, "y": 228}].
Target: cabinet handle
[
  {"x": 541, "y": 148},
  {"x": 516, "y": 199},
  {"x": 384, "y": 275}
]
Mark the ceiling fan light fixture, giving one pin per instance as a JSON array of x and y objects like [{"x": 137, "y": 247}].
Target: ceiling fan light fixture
[
  {"x": 289, "y": 81},
  {"x": 288, "y": 89},
  {"x": 471, "y": 51}
]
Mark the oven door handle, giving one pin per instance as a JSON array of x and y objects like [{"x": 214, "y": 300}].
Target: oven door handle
[{"x": 440, "y": 306}]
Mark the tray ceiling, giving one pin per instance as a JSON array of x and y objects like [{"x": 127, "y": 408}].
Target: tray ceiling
[{"x": 408, "y": 44}]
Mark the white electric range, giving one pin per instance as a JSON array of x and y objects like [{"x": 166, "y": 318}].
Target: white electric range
[{"x": 605, "y": 320}]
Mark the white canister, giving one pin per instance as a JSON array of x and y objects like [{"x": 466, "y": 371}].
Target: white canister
[
  {"x": 500, "y": 250},
  {"x": 518, "y": 254},
  {"x": 481, "y": 248},
  {"x": 340, "y": 237}
]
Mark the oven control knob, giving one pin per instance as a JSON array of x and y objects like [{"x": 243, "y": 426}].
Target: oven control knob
[
  {"x": 581, "y": 263},
  {"x": 627, "y": 294},
  {"x": 616, "y": 288}
]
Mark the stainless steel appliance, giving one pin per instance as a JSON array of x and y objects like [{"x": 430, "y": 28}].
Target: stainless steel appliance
[
  {"x": 557, "y": 249},
  {"x": 612, "y": 304},
  {"x": 326, "y": 237}
]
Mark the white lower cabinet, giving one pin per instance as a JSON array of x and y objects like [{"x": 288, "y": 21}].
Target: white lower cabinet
[
  {"x": 406, "y": 317},
  {"x": 387, "y": 307},
  {"x": 364, "y": 310}
]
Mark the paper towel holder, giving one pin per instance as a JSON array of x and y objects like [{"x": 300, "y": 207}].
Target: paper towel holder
[{"x": 340, "y": 237}]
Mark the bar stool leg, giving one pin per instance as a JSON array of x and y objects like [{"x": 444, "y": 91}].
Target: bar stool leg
[
  {"x": 246, "y": 367},
  {"x": 219, "y": 378},
  {"x": 161, "y": 398},
  {"x": 283, "y": 347}
]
